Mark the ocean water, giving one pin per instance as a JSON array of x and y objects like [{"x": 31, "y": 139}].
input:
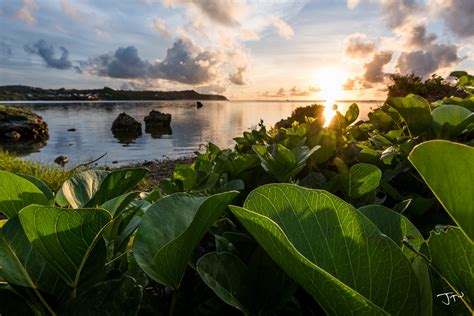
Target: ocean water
[{"x": 191, "y": 128}]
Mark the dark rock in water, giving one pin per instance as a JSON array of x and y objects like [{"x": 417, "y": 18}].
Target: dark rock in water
[
  {"x": 126, "y": 129},
  {"x": 199, "y": 105},
  {"x": 61, "y": 160},
  {"x": 158, "y": 124},
  {"x": 17, "y": 124},
  {"x": 157, "y": 119},
  {"x": 71, "y": 130}
]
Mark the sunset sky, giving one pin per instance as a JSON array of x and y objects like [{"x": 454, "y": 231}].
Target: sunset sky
[{"x": 261, "y": 49}]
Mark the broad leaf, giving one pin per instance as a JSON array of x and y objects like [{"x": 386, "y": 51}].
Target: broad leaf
[
  {"x": 81, "y": 187},
  {"x": 65, "y": 238},
  {"x": 352, "y": 113},
  {"x": 415, "y": 111},
  {"x": 452, "y": 255},
  {"x": 363, "y": 179},
  {"x": 402, "y": 231},
  {"x": 448, "y": 169},
  {"x": 40, "y": 185},
  {"x": 337, "y": 254},
  {"x": 16, "y": 193},
  {"x": 259, "y": 288},
  {"x": 114, "y": 297},
  {"x": 171, "y": 229},
  {"x": 22, "y": 266},
  {"x": 450, "y": 120},
  {"x": 117, "y": 183}
]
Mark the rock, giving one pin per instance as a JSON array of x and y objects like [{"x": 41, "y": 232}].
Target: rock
[
  {"x": 18, "y": 124},
  {"x": 158, "y": 124},
  {"x": 199, "y": 105},
  {"x": 126, "y": 129},
  {"x": 61, "y": 160},
  {"x": 157, "y": 119},
  {"x": 71, "y": 130}
]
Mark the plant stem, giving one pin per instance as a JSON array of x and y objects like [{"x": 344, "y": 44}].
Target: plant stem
[{"x": 174, "y": 299}]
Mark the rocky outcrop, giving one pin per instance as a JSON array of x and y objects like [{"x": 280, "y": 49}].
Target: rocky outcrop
[
  {"x": 199, "y": 105},
  {"x": 158, "y": 124},
  {"x": 126, "y": 129},
  {"x": 21, "y": 125}
]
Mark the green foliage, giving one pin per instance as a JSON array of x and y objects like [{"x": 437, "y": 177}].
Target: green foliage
[
  {"x": 377, "y": 237},
  {"x": 52, "y": 176},
  {"x": 343, "y": 268}
]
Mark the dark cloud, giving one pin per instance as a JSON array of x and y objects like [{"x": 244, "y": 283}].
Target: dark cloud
[
  {"x": 397, "y": 12},
  {"x": 238, "y": 78},
  {"x": 184, "y": 62},
  {"x": 358, "y": 46},
  {"x": 5, "y": 50},
  {"x": 425, "y": 63},
  {"x": 374, "y": 69},
  {"x": 417, "y": 36},
  {"x": 458, "y": 16},
  {"x": 47, "y": 53},
  {"x": 124, "y": 63}
]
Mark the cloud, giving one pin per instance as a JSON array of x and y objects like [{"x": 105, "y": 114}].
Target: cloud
[
  {"x": 374, "y": 69},
  {"x": 224, "y": 12},
  {"x": 279, "y": 94},
  {"x": 184, "y": 63},
  {"x": 216, "y": 88},
  {"x": 425, "y": 63},
  {"x": 357, "y": 45},
  {"x": 352, "y": 4},
  {"x": 73, "y": 12},
  {"x": 282, "y": 27},
  {"x": 161, "y": 27},
  {"x": 458, "y": 16},
  {"x": 314, "y": 89},
  {"x": 397, "y": 12},
  {"x": 47, "y": 53},
  {"x": 5, "y": 50},
  {"x": 295, "y": 92},
  {"x": 416, "y": 35},
  {"x": 26, "y": 11},
  {"x": 238, "y": 78}
]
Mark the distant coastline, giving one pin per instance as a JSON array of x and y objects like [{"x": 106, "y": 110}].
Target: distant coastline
[{"x": 27, "y": 93}]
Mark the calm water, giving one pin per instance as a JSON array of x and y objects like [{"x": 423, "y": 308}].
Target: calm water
[{"x": 218, "y": 122}]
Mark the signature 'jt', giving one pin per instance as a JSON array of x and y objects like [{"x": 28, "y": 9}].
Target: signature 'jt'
[{"x": 450, "y": 296}]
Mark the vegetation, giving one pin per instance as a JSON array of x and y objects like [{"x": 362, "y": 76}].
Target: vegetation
[
  {"x": 367, "y": 218},
  {"x": 26, "y": 93},
  {"x": 432, "y": 89},
  {"x": 51, "y": 175}
]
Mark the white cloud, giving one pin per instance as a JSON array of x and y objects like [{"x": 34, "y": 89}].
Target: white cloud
[
  {"x": 283, "y": 28},
  {"x": 161, "y": 27},
  {"x": 26, "y": 11},
  {"x": 352, "y": 4}
]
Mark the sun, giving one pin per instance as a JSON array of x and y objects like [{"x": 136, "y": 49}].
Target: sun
[{"x": 330, "y": 81}]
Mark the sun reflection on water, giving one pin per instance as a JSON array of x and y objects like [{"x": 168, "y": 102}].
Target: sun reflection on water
[{"x": 330, "y": 82}]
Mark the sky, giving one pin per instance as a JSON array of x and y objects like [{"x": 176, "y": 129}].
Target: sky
[{"x": 243, "y": 49}]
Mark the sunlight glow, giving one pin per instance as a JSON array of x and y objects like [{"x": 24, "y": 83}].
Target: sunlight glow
[{"x": 330, "y": 81}]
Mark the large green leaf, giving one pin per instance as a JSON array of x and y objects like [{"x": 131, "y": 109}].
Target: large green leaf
[
  {"x": 64, "y": 237},
  {"x": 352, "y": 113},
  {"x": 16, "y": 193},
  {"x": 117, "y": 183},
  {"x": 171, "y": 229},
  {"x": 448, "y": 169},
  {"x": 452, "y": 255},
  {"x": 259, "y": 288},
  {"x": 449, "y": 120},
  {"x": 402, "y": 231},
  {"x": 337, "y": 254},
  {"x": 415, "y": 111},
  {"x": 13, "y": 304},
  {"x": 363, "y": 179},
  {"x": 113, "y": 297},
  {"x": 81, "y": 187},
  {"x": 22, "y": 266},
  {"x": 42, "y": 186}
]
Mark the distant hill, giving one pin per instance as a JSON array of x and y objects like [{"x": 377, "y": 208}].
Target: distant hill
[{"x": 26, "y": 93}]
